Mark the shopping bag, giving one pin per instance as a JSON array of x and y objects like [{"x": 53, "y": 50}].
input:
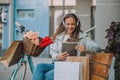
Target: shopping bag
[
  {"x": 85, "y": 66},
  {"x": 68, "y": 71},
  {"x": 112, "y": 70},
  {"x": 13, "y": 54}
]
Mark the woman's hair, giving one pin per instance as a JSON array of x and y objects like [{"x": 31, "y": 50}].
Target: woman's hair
[{"x": 61, "y": 28}]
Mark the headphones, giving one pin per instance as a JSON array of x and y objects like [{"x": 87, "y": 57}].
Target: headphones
[{"x": 75, "y": 16}]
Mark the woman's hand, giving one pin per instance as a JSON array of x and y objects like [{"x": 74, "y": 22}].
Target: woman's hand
[
  {"x": 80, "y": 48},
  {"x": 62, "y": 56}
]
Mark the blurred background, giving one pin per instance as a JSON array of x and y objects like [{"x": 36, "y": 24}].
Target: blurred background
[{"x": 44, "y": 16}]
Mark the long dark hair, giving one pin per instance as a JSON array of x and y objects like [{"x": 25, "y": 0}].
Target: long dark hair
[{"x": 61, "y": 28}]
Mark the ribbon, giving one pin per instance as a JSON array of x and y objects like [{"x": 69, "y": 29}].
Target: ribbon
[{"x": 45, "y": 42}]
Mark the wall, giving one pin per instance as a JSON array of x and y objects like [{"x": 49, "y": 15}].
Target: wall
[
  {"x": 106, "y": 12},
  {"x": 39, "y": 22},
  {"x": 5, "y": 26}
]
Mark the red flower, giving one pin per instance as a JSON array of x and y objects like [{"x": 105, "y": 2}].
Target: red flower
[{"x": 45, "y": 42}]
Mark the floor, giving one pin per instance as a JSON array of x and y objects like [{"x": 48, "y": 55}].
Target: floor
[{"x": 5, "y": 72}]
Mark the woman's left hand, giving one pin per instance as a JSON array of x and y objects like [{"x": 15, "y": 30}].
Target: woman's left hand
[
  {"x": 62, "y": 56},
  {"x": 80, "y": 48}
]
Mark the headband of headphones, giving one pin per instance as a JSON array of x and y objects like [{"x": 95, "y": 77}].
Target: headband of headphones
[{"x": 77, "y": 23}]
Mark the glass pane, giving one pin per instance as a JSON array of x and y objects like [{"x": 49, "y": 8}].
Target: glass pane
[
  {"x": 60, "y": 2},
  {"x": 25, "y": 13},
  {"x": 70, "y": 2},
  {"x": 21, "y": 14},
  {"x": 30, "y": 14},
  {"x": 0, "y": 14}
]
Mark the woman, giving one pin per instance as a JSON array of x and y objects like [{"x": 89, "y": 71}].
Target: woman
[{"x": 70, "y": 27}]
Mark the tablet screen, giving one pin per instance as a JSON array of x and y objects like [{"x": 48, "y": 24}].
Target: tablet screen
[{"x": 69, "y": 47}]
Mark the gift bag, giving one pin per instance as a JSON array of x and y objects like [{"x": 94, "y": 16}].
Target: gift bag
[
  {"x": 13, "y": 54},
  {"x": 68, "y": 71},
  {"x": 85, "y": 66}
]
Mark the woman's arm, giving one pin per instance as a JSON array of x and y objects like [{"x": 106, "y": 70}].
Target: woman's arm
[
  {"x": 55, "y": 51},
  {"x": 91, "y": 45},
  {"x": 86, "y": 44}
]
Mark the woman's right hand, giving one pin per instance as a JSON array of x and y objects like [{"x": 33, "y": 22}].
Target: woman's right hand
[
  {"x": 80, "y": 48},
  {"x": 62, "y": 56}
]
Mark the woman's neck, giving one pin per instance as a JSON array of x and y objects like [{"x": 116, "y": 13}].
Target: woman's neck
[{"x": 67, "y": 33}]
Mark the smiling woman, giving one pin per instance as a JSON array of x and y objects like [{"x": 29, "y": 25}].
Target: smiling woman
[
  {"x": 70, "y": 24},
  {"x": 70, "y": 27}
]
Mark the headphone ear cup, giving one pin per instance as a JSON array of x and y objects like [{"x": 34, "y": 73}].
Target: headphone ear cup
[
  {"x": 77, "y": 23},
  {"x": 63, "y": 23}
]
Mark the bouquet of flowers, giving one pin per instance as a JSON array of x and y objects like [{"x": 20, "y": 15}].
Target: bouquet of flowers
[{"x": 33, "y": 45}]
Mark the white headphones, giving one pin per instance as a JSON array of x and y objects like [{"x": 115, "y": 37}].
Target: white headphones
[{"x": 77, "y": 23}]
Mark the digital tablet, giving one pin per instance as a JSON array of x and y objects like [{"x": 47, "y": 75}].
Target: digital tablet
[{"x": 69, "y": 47}]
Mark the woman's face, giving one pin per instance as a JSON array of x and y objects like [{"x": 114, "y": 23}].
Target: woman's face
[{"x": 70, "y": 25}]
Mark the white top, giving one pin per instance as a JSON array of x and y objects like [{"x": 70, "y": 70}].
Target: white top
[{"x": 66, "y": 37}]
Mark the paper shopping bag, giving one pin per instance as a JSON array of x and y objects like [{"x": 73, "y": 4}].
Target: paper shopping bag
[
  {"x": 68, "y": 71},
  {"x": 85, "y": 61},
  {"x": 13, "y": 54}
]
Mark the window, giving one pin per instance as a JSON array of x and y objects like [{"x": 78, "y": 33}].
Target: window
[
  {"x": 25, "y": 13},
  {"x": 57, "y": 9},
  {"x": 60, "y": 2},
  {"x": 0, "y": 14}
]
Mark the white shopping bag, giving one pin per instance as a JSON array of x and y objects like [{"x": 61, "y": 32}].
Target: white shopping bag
[
  {"x": 112, "y": 70},
  {"x": 68, "y": 71}
]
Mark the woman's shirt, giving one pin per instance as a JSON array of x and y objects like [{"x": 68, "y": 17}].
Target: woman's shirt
[
  {"x": 56, "y": 47},
  {"x": 65, "y": 38}
]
